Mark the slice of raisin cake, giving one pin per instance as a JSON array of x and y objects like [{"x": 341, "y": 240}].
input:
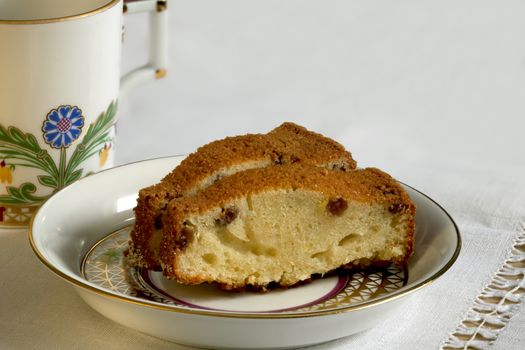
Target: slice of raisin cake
[
  {"x": 286, "y": 144},
  {"x": 281, "y": 225}
]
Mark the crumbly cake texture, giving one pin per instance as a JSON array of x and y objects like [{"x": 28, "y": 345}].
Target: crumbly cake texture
[
  {"x": 287, "y": 144},
  {"x": 281, "y": 225}
]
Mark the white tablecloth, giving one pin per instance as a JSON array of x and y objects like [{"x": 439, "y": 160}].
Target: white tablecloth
[{"x": 431, "y": 92}]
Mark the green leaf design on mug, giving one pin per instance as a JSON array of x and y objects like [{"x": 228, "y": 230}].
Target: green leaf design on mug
[
  {"x": 23, "y": 150},
  {"x": 96, "y": 135},
  {"x": 74, "y": 176},
  {"x": 22, "y": 195},
  {"x": 47, "y": 180}
]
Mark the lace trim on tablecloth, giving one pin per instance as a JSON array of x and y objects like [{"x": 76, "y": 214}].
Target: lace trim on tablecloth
[{"x": 495, "y": 305}]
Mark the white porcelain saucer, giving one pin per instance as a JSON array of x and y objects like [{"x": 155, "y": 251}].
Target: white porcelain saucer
[{"x": 82, "y": 231}]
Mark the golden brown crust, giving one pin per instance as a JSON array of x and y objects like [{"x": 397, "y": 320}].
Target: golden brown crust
[
  {"x": 286, "y": 144},
  {"x": 297, "y": 144},
  {"x": 369, "y": 185}
]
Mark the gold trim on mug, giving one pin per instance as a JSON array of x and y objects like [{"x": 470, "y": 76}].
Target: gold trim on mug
[
  {"x": 162, "y": 5},
  {"x": 160, "y": 73},
  {"x": 16, "y": 215},
  {"x": 103, "y": 8}
]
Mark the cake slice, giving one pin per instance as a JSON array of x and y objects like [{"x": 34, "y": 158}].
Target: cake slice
[
  {"x": 286, "y": 144},
  {"x": 281, "y": 225}
]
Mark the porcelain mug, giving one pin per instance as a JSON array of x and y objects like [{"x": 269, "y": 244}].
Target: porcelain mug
[{"x": 59, "y": 86}]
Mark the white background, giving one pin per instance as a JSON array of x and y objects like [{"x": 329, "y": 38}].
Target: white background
[{"x": 417, "y": 80}]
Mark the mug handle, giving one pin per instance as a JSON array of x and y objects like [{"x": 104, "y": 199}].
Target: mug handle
[{"x": 158, "y": 48}]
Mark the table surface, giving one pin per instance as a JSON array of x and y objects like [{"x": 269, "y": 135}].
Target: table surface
[{"x": 430, "y": 92}]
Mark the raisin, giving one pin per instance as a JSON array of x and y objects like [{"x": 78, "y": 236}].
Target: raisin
[
  {"x": 182, "y": 240},
  {"x": 397, "y": 207},
  {"x": 158, "y": 222},
  {"x": 227, "y": 216},
  {"x": 337, "y": 206}
]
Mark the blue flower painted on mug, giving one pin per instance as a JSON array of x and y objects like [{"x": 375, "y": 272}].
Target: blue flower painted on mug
[{"x": 63, "y": 126}]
